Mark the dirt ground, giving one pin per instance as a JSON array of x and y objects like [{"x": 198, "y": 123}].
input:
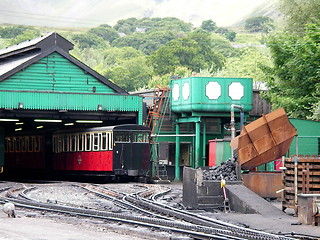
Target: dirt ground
[{"x": 31, "y": 225}]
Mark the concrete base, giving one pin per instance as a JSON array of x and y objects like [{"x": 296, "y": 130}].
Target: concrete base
[
  {"x": 307, "y": 212},
  {"x": 243, "y": 200},
  {"x": 208, "y": 195}
]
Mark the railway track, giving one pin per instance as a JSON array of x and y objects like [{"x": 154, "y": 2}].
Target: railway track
[{"x": 149, "y": 213}]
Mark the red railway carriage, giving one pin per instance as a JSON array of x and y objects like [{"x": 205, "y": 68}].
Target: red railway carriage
[
  {"x": 122, "y": 150},
  {"x": 24, "y": 153}
]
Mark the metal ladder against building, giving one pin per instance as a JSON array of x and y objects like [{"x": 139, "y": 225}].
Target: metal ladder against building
[{"x": 154, "y": 121}]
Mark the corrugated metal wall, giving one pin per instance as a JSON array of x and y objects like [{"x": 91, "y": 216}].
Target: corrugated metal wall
[
  {"x": 57, "y": 74},
  {"x": 308, "y": 137},
  {"x": 69, "y": 101},
  {"x": 55, "y": 83}
]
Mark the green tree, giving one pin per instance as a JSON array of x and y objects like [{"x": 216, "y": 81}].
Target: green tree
[
  {"x": 132, "y": 25},
  {"x": 209, "y": 25},
  {"x": 194, "y": 52},
  {"x": 149, "y": 34},
  {"x": 231, "y": 36},
  {"x": 125, "y": 66},
  {"x": 126, "y": 26},
  {"x": 247, "y": 64},
  {"x": 88, "y": 40},
  {"x": 300, "y": 12},
  {"x": 25, "y": 36},
  {"x": 145, "y": 42},
  {"x": 258, "y": 24},
  {"x": 164, "y": 80},
  {"x": 106, "y": 32},
  {"x": 15, "y": 31},
  {"x": 294, "y": 80},
  {"x": 164, "y": 24},
  {"x": 131, "y": 75}
]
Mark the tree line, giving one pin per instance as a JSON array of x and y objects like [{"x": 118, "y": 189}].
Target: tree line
[{"x": 142, "y": 53}]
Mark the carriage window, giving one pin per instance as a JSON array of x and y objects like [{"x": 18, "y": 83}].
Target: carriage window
[
  {"x": 27, "y": 143},
  {"x": 73, "y": 143},
  {"x": 95, "y": 141},
  {"x": 81, "y": 140},
  {"x": 104, "y": 141},
  {"x": 140, "y": 137},
  {"x": 88, "y": 142},
  {"x": 66, "y": 143},
  {"x": 24, "y": 144},
  {"x": 54, "y": 144},
  {"x": 122, "y": 137},
  {"x": 17, "y": 145},
  {"x": 30, "y": 145},
  {"x": 110, "y": 141},
  {"x": 10, "y": 143},
  {"x": 59, "y": 144},
  {"x": 37, "y": 144}
]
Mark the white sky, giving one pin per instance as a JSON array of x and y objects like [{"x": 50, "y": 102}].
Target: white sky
[
  {"x": 95, "y": 12},
  {"x": 223, "y": 12}
]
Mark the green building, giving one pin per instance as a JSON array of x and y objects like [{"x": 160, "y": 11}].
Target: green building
[
  {"x": 200, "y": 110},
  {"x": 308, "y": 140},
  {"x": 195, "y": 129},
  {"x": 43, "y": 87}
]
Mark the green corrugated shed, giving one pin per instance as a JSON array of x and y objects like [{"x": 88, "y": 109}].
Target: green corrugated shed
[
  {"x": 55, "y": 73},
  {"x": 55, "y": 83},
  {"x": 308, "y": 141},
  {"x": 40, "y": 74},
  {"x": 69, "y": 101}
]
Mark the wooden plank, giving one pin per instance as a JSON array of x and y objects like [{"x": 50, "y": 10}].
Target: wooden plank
[
  {"x": 305, "y": 160},
  {"x": 291, "y": 166}
]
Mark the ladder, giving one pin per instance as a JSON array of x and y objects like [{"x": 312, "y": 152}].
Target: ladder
[{"x": 155, "y": 119}]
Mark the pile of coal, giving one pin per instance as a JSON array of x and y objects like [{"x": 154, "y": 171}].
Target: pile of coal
[{"x": 227, "y": 171}]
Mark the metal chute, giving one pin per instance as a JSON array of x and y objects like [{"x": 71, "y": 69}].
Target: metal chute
[{"x": 264, "y": 140}]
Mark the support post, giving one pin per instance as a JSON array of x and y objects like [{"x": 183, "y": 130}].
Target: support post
[
  {"x": 177, "y": 157},
  {"x": 197, "y": 155},
  {"x": 204, "y": 143},
  {"x": 296, "y": 159}
]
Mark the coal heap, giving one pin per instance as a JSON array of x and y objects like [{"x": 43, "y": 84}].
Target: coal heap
[{"x": 227, "y": 171}]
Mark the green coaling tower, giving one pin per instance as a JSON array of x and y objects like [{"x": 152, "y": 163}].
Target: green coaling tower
[
  {"x": 201, "y": 100},
  {"x": 210, "y": 95}
]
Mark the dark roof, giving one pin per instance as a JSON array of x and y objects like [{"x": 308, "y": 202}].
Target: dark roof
[
  {"x": 42, "y": 43},
  {"x": 18, "y": 57}
]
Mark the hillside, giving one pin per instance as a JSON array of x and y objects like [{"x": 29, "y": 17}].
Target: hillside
[
  {"x": 90, "y": 13},
  {"x": 269, "y": 8}
]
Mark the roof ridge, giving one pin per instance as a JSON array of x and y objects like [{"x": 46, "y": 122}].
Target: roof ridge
[{"x": 42, "y": 42}]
